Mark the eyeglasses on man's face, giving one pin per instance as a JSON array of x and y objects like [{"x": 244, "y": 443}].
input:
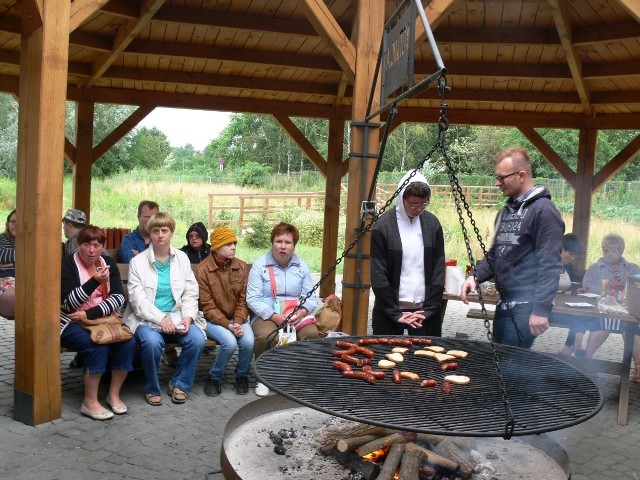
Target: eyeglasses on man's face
[
  {"x": 501, "y": 178},
  {"x": 417, "y": 206}
]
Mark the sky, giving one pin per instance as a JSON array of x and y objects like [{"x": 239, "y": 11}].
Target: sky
[{"x": 183, "y": 126}]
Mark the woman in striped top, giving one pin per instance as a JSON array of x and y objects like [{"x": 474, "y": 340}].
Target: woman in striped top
[
  {"x": 8, "y": 267},
  {"x": 91, "y": 288}
]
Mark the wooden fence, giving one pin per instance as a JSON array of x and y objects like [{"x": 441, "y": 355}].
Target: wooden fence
[{"x": 250, "y": 206}]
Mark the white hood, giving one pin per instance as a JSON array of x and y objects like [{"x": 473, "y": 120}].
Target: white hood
[{"x": 401, "y": 214}]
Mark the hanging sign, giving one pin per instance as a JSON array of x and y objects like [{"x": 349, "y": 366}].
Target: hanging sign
[{"x": 398, "y": 44}]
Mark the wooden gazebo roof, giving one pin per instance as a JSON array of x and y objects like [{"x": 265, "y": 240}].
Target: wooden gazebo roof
[
  {"x": 523, "y": 63},
  {"x": 556, "y": 63}
]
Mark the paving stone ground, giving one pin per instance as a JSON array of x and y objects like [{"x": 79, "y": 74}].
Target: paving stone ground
[{"x": 176, "y": 442}]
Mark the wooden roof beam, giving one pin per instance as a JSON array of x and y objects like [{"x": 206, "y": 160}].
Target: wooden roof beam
[
  {"x": 215, "y": 80},
  {"x": 30, "y": 12},
  {"x": 563, "y": 25},
  {"x": 435, "y": 11},
  {"x": 120, "y": 131},
  {"x": 124, "y": 37},
  {"x": 208, "y": 52},
  {"x": 633, "y": 7},
  {"x": 330, "y": 31},
  {"x": 305, "y": 145},
  {"x": 81, "y": 10},
  {"x": 550, "y": 155},
  {"x": 222, "y": 104},
  {"x": 614, "y": 165}
]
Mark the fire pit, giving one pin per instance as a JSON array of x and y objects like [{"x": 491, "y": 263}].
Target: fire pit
[
  {"x": 249, "y": 453},
  {"x": 544, "y": 393}
]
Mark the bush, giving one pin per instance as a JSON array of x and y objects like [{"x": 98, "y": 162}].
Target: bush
[
  {"x": 253, "y": 174},
  {"x": 311, "y": 227},
  {"x": 259, "y": 234}
]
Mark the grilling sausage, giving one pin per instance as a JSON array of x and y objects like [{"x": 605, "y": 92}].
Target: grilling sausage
[
  {"x": 449, "y": 366},
  {"x": 365, "y": 351},
  {"x": 373, "y": 341},
  {"x": 339, "y": 353},
  {"x": 446, "y": 387},
  {"x": 420, "y": 341},
  {"x": 341, "y": 366},
  {"x": 400, "y": 342},
  {"x": 367, "y": 377},
  {"x": 429, "y": 382},
  {"x": 397, "y": 378},
  {"x": 377, "y": 374},
  {"x": 343, "y": 344},
  {"x": 359, "y": 362}
]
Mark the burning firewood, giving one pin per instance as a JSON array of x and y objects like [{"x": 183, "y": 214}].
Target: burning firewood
[
  {"x": 331, "y": 440},
  {"x": 384, "y": 442},
  {"x": 349, "y": 444},
  {"x": 410, "y": 466},
  {"x": 448, "y": 449},
  {"x": 433, "y": 457},
  {"x": 391, "y": 462}
]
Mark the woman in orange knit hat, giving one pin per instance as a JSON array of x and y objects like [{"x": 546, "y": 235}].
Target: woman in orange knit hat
[{"x": 222, "y": 279}]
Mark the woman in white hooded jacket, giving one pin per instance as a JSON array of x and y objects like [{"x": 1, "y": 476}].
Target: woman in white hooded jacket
[{"x": 408, "y": 264}]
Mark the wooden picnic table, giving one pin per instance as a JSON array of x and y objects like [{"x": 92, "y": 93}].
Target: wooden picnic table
[{"x": 574, "y": 315}]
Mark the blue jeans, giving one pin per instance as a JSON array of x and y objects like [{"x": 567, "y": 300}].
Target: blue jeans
[
  {"x": 504, "y": 331},
  {"x": 228, "y": 344},
  {"x": 95, "y": 358},
  {"x": 151, "y": 345}
]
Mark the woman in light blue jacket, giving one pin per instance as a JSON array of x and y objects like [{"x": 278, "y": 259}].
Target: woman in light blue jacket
[
  {"x": 163, "y": 307},
  {"x": 278, "y": 280}
]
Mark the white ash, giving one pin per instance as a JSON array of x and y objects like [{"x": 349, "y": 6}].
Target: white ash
[{"x": 250, "y": 448}]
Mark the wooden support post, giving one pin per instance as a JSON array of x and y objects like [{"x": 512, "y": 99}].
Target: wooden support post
[
  {"x": 83, "y": 158},
  {"x": 43, "y": 86},
  {"x": 332, "y": 204},
  {"x": 584, "y": 190},
  {"x": 355, "y": 287}
]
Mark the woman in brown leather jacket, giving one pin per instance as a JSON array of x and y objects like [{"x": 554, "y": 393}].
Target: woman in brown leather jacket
[{"x": 223, "y": 287}]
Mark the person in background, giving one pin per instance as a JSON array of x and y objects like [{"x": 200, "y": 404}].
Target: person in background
[
  {"x": 8, "y": 267},
  {"x": 163, "y": 306},
  {"x": 571, "y": 248},
  {"x": 276, "y": 277},
  {"x": 408, "y": 264},
  {"x": 222, "y": 279},
  {"x": 612, "y": 268},
  {"x": 525, "y": 255},
  {"x": 137, "y": 241},
  {"x": 72, "y": 222},
  {"x": 91, "y": 288},
  {"x": 197, "y": 248}
]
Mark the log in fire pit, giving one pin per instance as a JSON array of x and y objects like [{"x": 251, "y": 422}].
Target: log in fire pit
[
  {"x": 544, "y": 392},
  {"x": 275, "y": 437}
]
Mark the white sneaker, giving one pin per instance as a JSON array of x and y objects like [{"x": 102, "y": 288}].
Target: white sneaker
[{"x": 262, "y": 390}]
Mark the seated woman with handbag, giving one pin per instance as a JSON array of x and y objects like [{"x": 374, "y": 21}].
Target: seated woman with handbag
[
  {"x": 92, "y": 289},
  {"x": 278, "y": 281},
  {"x": 8, "y": 267},
  {"x": 163, "y": 307}
]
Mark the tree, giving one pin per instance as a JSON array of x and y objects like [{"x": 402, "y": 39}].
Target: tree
[
  {"x": 149, "y": 149},
  {"x": 9, "y": 136}
]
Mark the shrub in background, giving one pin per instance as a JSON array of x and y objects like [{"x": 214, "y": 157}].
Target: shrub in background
[
  {"x": 259, "y": 233},
  {"x": 253, "y": 174}
]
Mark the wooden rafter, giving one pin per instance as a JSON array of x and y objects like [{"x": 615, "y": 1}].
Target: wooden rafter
[
  {"x": 81, "y": 10},
  {"x": 633, "y": 7},
  {"x": 124, "y": 37},
  {"x": 329, "y": 30},
  {"x": 563, "y": 25},
  {"x": 614, "y": 165},
  {"x": 120, "y": 131},
  {"x": 30, "y": 12},
  {"x": 435, "y": 11},
  {"x": 549, "y": 153},
  {"x": 307, "y": 148}
]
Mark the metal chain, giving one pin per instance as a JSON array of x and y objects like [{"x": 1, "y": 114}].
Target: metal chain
[{"x": 459, "y": 199}]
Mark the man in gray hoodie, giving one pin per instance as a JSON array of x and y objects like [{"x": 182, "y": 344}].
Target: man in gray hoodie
[
  {"x": 408, "y": 264},
  {"x": 525, "y": 254}
]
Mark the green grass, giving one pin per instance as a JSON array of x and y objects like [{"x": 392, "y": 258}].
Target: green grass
[{"x": 114, "y": 203}]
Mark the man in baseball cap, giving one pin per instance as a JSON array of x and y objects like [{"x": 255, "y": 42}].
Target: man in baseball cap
[{"x": 72, "y": 223}]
